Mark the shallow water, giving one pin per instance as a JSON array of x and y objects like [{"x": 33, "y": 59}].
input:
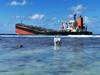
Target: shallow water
[{"x": 76, "y": 56}]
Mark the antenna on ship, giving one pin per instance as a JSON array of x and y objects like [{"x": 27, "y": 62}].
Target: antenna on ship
[{"x": 21, "y": 19}]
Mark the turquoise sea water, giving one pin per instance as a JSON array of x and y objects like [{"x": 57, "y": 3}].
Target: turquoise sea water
[{"x": 76, "y": 56}]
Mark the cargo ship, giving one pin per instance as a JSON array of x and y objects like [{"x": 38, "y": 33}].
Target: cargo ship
[{"x": 73, "y": 27}]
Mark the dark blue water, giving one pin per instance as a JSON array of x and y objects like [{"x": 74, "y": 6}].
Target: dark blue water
[{"x": 76, "y": 56}]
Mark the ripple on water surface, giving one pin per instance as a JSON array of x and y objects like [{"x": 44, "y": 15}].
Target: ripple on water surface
[{"x": 76, "y": 56}]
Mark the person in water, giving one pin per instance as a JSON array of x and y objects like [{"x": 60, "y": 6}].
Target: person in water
[
  {"x": 19, "y": 46},
  {"x": 58, "y": 43}
]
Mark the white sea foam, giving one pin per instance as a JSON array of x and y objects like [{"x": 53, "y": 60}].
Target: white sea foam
[
  {"x": 72, "y": 36},
  {"x": 84, "y": 36}
]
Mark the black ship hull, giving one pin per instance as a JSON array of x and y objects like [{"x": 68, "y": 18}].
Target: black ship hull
[{"x": 33, "y": 30}]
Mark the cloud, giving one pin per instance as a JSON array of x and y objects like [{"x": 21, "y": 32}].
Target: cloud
[
  {"x": 70, "y": 15},
  {"x": 17, "y": 3},
  {"x": 78, "y": 9},
  {"x": 37, "y": 16},
  {"x": 21, "y": 18},
  {"x": 50, "y": 20},
  {"x": 33, "y": 17},
  {"x": 18, "y": 17}
]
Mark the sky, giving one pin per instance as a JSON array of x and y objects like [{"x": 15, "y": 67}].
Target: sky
[{"x": 48, "y": 13}]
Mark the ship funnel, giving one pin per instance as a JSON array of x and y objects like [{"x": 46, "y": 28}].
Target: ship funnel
[
  {"x": 80, "y": 22},
  {"x": 75, "y": 21},
  {"x": 75, "y": 17}
]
